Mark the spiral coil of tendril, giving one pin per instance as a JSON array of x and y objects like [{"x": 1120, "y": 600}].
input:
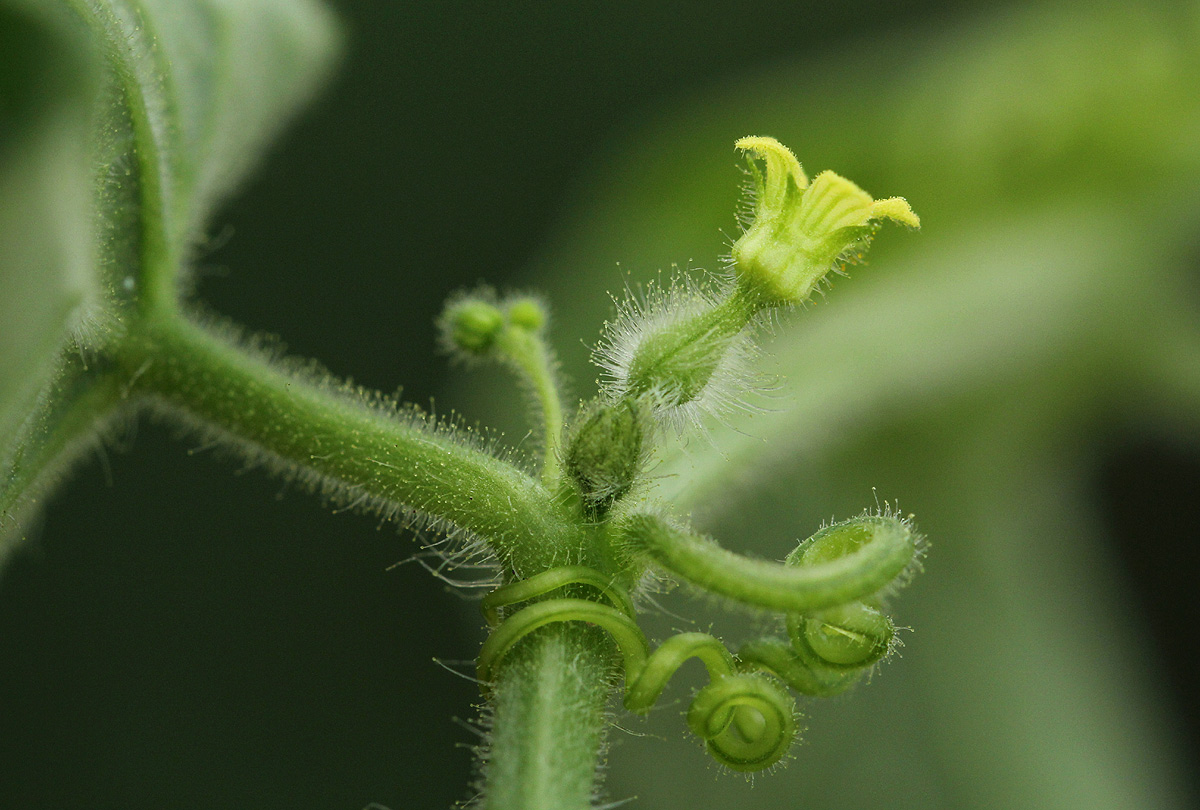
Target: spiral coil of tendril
[{"x": 745, "y": 716}]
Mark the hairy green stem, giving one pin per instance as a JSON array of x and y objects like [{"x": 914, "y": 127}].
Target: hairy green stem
[
  {"x": 774, "y": 586},
  {"x": 529, "y": 353},
  {"x": 548, "y": 720},
  {"x": 362, "y": 453}
]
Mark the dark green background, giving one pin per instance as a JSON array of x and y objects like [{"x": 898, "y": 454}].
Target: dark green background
[{"x": 183, "y": 633}]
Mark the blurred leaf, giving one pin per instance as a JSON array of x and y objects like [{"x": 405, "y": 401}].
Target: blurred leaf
[
  {"x": 45, "y": 266},
  {"x": 1118, "y": 123},
  {"x": 195, "y": 90},
  {"x": 109, "y": 169}
]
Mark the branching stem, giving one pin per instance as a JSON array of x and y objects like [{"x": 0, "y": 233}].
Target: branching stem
[
  {"x": 550, "y": 693},
  {"x": 346, "y": 443}
]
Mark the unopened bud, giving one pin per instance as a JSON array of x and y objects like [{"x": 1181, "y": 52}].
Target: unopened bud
[
  {"x": 605, "y": 452},
  {"x": 527, "y": 314},
  {"x": 471, "y": 325}
]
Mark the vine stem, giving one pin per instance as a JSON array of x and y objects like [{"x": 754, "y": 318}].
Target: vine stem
[
  {"x": 885, "y": 548},
  {"x": 548, "y": 720},
  {"x": 349, "y": 447}
]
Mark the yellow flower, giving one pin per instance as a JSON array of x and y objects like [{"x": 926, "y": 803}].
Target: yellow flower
[{"x": 800, "y": 230}]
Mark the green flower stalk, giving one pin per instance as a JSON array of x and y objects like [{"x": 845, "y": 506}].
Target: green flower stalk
[
  {"x": 476, "y": 327},
  {"x": 683, "y": 352}
]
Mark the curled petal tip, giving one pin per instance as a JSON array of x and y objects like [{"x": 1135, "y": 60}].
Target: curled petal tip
[
  {"x": 896, "y": 209},
  {"x": 781, "y": 162}
]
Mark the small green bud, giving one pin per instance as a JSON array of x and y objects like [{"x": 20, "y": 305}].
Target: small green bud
[
  {"x": 800, "y": 231},
  {"x": 605, "y": 452},
  {"x": 527, "y": 314},
  {"x": 471, "y": 325},
  {"x": 851, "y": 635}
]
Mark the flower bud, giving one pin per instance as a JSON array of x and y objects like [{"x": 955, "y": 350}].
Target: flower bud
[
  {"x": 527, "y": 314},
  {"x": 605, "y": 452},
  {"x": 471, "y": 325},
  {"x": 800, "y": 231}
]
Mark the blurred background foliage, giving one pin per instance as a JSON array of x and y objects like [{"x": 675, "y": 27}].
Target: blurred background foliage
[{"x": 1022, "y": 374}]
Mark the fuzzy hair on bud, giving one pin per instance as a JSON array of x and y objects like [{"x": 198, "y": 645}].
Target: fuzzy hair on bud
[
  {"x": 687, "y": 349},
  {"x": 470, "y": 324},
  {"x": 606, "y": 451}
]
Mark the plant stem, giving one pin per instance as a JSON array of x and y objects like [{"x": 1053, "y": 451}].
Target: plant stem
[
  {"x": 548, "y": 715},
  {"x": 530, "y": 355},
  {"x": 348, "y": 446},
  {"x": 548, "y": 721},
  {"x": 887, "y": 548}
]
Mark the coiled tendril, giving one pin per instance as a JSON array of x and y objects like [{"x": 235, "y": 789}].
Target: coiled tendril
[{"x": 747, "y": 719}]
